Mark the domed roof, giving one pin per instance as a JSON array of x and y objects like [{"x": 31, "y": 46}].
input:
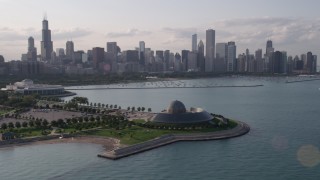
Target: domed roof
[{"x": 176, "y": 107}]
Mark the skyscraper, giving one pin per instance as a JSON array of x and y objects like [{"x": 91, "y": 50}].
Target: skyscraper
[
  {"x": 97, "y": 56},
  {"x": 269, "y": 48},
  {"x": 231, "y": 56},
  {"x": 210, "y": 49},
  {"x": 46, "y": 43},
  {"x": 32, "y": 51},
  {"x": 70, "y": 50},
  {"x": 221, "y": 57},
  {"x": 201, "y": 62},
  {"x": 142, "y": 47},
  {"x": 194, "y": 43}
]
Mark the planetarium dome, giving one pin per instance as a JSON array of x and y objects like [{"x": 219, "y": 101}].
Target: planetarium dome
[
  {"x": 176, "y": 113},
  {"x": 176, "y": 107}
]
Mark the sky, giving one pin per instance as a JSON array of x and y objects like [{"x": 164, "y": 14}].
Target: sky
[{"x": 292, "y": 25}]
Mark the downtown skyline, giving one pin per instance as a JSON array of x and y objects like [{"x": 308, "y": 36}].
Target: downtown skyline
[{"x": 293, "y": 31}]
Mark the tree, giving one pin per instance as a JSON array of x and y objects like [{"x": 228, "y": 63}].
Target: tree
[
  {"x": 86, "y": 119},
  {"x": 31, "y": 123},
  {"x": 80, "y": 100},
  {"x": 68, "y": 121},
  {"x": 60, "y": 123},
  {"x": 74, "y": 120},
  {"x": 45, "y": 123},
  {"x": 128, "y": 108},
  {"x": 99, "y": 105},
  {"x": 95, "y": 104},
  {"x": 10, "y": 125},
  {"x": 133, "y": 108},
  {"x": 18, "y": 124},
  {"x": 4, "y": 126},
  {"x": 37, "y": 123},
  {"x": 54, "y": 123},
  {"x": 24, "y": 124},
  {"x": 149, "y": 110},
  {"x": 103, "y": 105},
  {"x": 139, "y": 108},
  {"x": 80, "y": 119},
  {"x": 3, "y": 97},
  {"x": 143, "y": 109}
]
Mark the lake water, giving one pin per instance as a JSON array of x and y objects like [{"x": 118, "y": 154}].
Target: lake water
[{"x": 283, "y": 143}]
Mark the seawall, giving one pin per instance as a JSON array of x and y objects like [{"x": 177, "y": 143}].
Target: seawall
[{"x": 241, "y": 129}]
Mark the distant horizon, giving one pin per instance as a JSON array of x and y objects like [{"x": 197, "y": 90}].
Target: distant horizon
[{"x": 295, "y": 29}]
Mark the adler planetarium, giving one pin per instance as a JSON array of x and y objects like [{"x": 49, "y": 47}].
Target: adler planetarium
[{"x": 176, "y": 113}]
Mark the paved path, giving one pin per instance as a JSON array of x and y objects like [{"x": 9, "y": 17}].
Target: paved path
[{"x": 241, "y": 129}]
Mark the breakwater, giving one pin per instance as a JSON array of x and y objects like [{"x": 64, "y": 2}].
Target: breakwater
[
  {"x": 175, "y": 87},
  {"x": 241, "y": 129},
  {"x": 302, "y": 80}
]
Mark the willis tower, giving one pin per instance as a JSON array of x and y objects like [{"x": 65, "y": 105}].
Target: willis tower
[{"x": 46, "y": 43}]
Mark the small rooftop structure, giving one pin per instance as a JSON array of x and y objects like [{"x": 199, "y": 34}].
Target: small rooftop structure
[{"x": 176, "y": 113}]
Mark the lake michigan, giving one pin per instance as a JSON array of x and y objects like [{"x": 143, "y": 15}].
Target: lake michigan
[{"x": 283, "y": 143}]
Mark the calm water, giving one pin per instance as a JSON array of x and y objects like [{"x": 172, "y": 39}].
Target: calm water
[{"x": 285, "y": 127}]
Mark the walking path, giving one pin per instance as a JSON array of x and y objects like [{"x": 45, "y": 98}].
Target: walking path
[{"x": 241, "y": 129}]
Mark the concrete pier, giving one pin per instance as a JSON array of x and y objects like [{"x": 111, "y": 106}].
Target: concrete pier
[{"x": 241, "y": 129}]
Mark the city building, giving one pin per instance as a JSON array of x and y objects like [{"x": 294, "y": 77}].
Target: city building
[
  {"x": 112, "y": 47},
  {"x": 201, "y": 60},
  {"x": 259, "y": 60},
  {"x": 231, "y": 56},
  {"x": 210, "y": 50},
  {"x": 32, "y": 50},
  {"x": 97, "y": 56},
  {"x": 70, "y": 50},
  {"x": 221, "y": 57},
  {"x": 192, "y": 62},
  {"x": 166, "y": 56},
  {"x": 176, "y": 113},
  {"x": 142, "y": 47},
  {"x": 194, "y": 43},
  {"x": 46, "y": 43},
  {"x": 184, "y": 58}
]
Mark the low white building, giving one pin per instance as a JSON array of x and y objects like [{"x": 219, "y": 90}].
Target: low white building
[{"x": 27, "y": 87}]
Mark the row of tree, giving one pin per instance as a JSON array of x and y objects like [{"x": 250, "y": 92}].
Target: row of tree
[{"x": 39, "y": 123}]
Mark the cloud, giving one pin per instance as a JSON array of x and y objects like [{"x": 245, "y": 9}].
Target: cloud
[
  {"x": 64, "y": 34},
  {"x": 281, "y": 30},
  {"x": 180, "y": 33},
  {"x": 8, "y": 34},
  {"x": 128, "y": 33}
]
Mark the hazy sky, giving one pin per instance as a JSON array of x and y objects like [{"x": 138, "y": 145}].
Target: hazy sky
[{"x": 292, "y": 25}]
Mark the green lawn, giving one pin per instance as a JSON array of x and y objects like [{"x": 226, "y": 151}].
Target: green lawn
[
  {"x": 4, "y": 111},
  {"x": 29, "y": 132},
  {"x": 137, "y": 134}
]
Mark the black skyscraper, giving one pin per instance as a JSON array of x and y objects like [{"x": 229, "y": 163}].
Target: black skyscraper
[{"x": 46, "y": 43}]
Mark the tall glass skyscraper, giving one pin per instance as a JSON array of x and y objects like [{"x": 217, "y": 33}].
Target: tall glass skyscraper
[
  {"x": 210, "y": 49},
  {"x": 46, "y": 43},
  {"x": 194, "y": 43}
]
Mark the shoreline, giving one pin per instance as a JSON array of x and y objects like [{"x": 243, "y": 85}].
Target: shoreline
[
  {"x": 106, "y": 142},
  {"x": 241, "y": 129},
  {"x": 113, "y": 149},
  {"x": 187, "y": 87}
]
